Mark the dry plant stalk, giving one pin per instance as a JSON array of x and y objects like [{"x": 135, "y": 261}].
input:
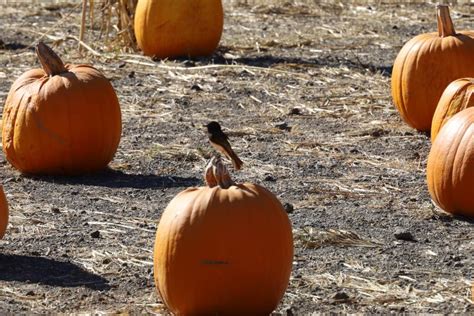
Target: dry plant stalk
[{"x": 119, "y": 13}]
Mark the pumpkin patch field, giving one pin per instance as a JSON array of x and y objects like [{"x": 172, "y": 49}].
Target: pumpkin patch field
[{"x": 333, "y": 184}]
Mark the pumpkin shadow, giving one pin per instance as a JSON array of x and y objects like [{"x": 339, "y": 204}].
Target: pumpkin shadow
[
  {"x": 41, "y": 270},
  {"x": 117, "y": 179},
  {"x": 464, "y": 219},
  {"x": 268, "y": 60}
]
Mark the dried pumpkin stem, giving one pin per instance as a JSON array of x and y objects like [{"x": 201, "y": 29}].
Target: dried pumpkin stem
[
  {"x": 445, "y": 24},
  {"x": 50, "y": 61},
  {"x": 216, "y": 174}
]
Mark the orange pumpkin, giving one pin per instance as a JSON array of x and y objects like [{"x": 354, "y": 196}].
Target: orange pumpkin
[
  {"x": 3, "y": 212},
  {"x": 426, "y": 65},
  {"x": 62, "y": 119},
  {"x": 223, "y": 249},
  {"x": 173, "y": 28},
  {"x": 458, "y": 96},
  {"x": 450, "y": 169}
]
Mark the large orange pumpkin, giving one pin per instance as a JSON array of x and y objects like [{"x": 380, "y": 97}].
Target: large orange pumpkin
[
  {"x": 3, "y": 212},
  {"x": 223, "y": 249},
  {"x": 426, "y": 65},
  {"x": 62, "y": 119},
  {"x": 173, "y": 28},
  {"x": 450, "y": 169},
  {"x": 458, "y": 96}
]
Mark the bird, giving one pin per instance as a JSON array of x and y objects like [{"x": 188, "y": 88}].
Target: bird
[{"x": 219, "y": 140}]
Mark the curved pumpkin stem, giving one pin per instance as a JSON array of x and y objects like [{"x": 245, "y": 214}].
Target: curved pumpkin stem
[
  {"x": 445, "y": 24},
  {"x": 50, "y": 61},
  {"x": 216, "y": 174}
]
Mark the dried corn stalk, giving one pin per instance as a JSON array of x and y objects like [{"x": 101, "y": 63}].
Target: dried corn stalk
[{"x": 116, "y": 17}]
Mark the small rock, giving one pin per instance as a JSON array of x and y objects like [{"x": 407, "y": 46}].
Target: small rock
[
  {"x": 196, "y": 87},
  {"x": 55, "y": 210},
  {"x": 289, "y": 208},
  {"x": 189, "y": 63},
  {"x": 269, "y": 178},
  {"x": 404, "y": 235},
  {"x": 456, "y": 258},
  {"x": 283, "y": 126},
  {"x": 95, "y": 234},
  {"x": 295, "y": 111},
  {"x": 131, "y": 75},
  {"x": 376, "y": 133},
  {"x": 341, "y": 296}
]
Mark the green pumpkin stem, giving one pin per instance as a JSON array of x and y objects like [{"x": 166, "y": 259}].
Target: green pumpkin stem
[
  {"x": 216, "y": 174},
  {"x": 445, "y": 24},
  {"x": 49, "y": 60}
]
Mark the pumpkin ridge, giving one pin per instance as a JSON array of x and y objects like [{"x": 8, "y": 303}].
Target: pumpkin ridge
[
  {"x": 22, "y": 112},
  {"x": 400, "y": 82},
  {"x": 451, "y": 166},
  {"x": 4, "y": 212},
  {"x": 8, "y": 132},
  {"x": 412, "y": 115},
  {"x": 460, "y": 163}
]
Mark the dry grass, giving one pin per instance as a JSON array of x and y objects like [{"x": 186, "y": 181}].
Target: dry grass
[{"x": 351, "y": 92}]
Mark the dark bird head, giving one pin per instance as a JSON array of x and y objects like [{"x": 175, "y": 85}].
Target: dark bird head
[{"x": 213, "y": 127}]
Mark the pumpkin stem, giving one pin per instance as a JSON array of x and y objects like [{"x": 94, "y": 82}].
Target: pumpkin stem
[
  {"x": 445, "y": 24},
  {"x": 216, "y": 174},
  {"x": 49, "y": 60}
]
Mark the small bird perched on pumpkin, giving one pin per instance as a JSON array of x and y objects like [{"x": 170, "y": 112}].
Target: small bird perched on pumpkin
[{"x": 219, "y": 140}]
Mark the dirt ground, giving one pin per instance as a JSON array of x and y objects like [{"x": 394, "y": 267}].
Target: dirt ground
[{"x": 304, "y": 93}]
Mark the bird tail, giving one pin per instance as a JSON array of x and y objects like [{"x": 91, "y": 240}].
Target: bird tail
[{"x": 236, "y": 162}]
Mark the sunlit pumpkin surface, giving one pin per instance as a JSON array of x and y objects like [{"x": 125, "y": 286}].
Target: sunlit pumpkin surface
[
  {"x": 450, "y": 169},
  {"x": 458, "y": 96},
  {"x": 3, "y": 212},
  {"x": 223, "y": 251},
  {"x": 173, "y": 28},
  {"x": 67, "y": 123},
  {"x": 426, "y": 65}
]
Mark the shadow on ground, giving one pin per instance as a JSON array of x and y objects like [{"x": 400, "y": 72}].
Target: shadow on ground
[
  {"x": 30, "y": 269},
  {"x": 118, "y": 179},
  {"x": 268, "y": 60}
]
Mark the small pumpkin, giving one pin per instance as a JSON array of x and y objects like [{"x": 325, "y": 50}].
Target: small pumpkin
[
  {"x": 62, "y": 119},
  {"x": 174, "y": 28},
  {"x": 426, "y": 65},
  {"x": 458, "y": 96},
  {"x": 450, "y": 169},
  {"x": 223, "y": 249},
  {"x": 3, "y": 212}
]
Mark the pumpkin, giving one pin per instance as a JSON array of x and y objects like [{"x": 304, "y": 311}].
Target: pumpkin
[
  {"x": 426, "y": 65},
  {"x": 62, "y": 119},
  {"x": 223, "y": 249},
  {"x": 3, "y": 212},
  {"x": 450, "y": 169},
  {"x": 173, "y": 28},
  {"x": 458, "y": 96}
]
